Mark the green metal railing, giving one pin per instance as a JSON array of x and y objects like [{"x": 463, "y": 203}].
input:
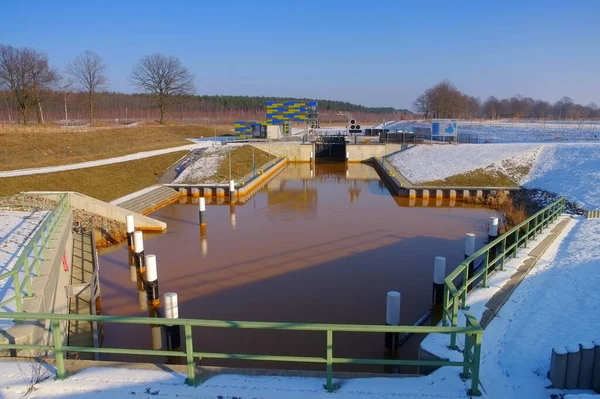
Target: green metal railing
[
  {"x": 493, "y": 256},
  {"x": 470, "y": 363},
  {"x": 38, "y": 245}
]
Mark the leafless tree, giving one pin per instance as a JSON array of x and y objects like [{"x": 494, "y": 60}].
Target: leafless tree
[
  {"x": 89, "y": 71},
  {"x": 423, "y": 105},
  {"x": 28, "y": 76},
  {"x": 163, "y": 77}
]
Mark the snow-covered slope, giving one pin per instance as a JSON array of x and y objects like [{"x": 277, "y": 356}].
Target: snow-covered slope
[{"x": 435, "y": 162}]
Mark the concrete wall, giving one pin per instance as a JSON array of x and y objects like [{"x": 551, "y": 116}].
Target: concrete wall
[
  {"x": 105, "y": 209},
  {"x": 294, "y": 152},
  {"x": 364, "y": 152},
  {"x": 50, "y": 294}
]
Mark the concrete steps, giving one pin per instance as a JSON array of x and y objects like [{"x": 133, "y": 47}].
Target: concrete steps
[{"x": 150, "y": 201}]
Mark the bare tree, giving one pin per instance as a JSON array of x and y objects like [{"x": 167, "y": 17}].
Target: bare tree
[
  {"x": 89, "y": 71},
  {"x": 423, "y": 105},
  {"x": 163, "y": 77},
  {"x": 27, "y": 75}
]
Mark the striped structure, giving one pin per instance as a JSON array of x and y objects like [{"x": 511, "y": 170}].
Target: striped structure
[
  {"x": 294, "y": 111},
  {"x": 245, "y": 128}
]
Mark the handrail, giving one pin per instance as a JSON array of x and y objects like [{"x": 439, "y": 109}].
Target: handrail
[
  {"x": 38, "y": 244},
  {"x": 494, "y": 254},
  {"x": 470, "y": 363}
]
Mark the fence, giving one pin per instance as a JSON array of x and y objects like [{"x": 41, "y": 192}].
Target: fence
[
  {"x": 38, "y": 244},
  {"x": 470, "y": 364},
  {"x": 516, "y": 237}
]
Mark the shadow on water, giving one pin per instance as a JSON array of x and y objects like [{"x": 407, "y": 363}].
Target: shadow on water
[{"x": 304, "y": 250}]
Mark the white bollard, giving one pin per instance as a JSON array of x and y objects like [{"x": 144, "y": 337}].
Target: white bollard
[
  {"x": 202, "y": 209},
  {"x": 172, "y": 312},
  {"x": 130, "y": 229},
  {"x": 439, "y": 274},
  {"x": 231, "y": 190},
  {"x": 152, "y": 280},
  {"x": 493, "y": 229},
  {"x": 138, "y": 250},
  {"x": 469, "y": 244},
  {"x": 392, "y": 318}
]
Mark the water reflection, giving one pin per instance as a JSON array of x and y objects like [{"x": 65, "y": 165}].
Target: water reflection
[{"x": 308, "y": 247}]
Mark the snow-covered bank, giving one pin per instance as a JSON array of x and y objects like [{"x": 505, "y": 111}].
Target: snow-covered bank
[
  {"x": 551, "y": 307},
  {"x": 435, "y": 162},
  {"x": 16, "y": 229},
  {"x": 110, "y": 383},
  {"x": 569, "y": 169}
]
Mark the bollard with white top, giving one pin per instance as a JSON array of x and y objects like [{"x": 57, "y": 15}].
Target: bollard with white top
[
  {"x": 202, "y": 209},
  {"x": 173, "y": 333},
  {"x": 130, "y": 229},
  {"x": 493, "y": 229},
  {"x": 439, "y": 274},
  {"x": 138, "y": 250},
  {"x": 392, "y": 318},
  {"x": 231, "y": 190},
  {"x": 347, "y": 156},
  {"x": 152, "y": 281}
]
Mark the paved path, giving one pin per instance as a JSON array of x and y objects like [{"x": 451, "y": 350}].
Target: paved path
[{"x": 100, "y": 162}]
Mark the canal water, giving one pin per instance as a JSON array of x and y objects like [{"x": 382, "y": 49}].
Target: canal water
[{"x": 320, "y": 244}]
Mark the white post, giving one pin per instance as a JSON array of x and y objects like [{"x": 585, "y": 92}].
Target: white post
[
  {"x": 439, "y": 274},
  {"x": 202, "y": 209},
  {"x": 231, "y": 190},
  {"x": 172, "y": 312},
  {"x": 130, "y": 229},
  {"x": 138, "y": 256},
  {"x": 392, "y": 318},
  {"x": 152, "y": 280},
  {"x": 469, "y": 244},
  {"x": 493, "y": 229}
]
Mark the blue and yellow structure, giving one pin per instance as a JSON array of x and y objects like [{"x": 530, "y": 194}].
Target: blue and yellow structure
[{"x": 278, "y": 113}]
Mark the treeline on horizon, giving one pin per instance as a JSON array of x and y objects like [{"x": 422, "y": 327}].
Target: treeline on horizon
[{"x": 444, "y": 100}]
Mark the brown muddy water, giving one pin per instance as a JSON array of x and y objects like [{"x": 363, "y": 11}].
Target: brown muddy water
[{"x": 322, "y": 244}]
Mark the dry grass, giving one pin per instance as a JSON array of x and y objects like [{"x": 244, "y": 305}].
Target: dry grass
[
  {"x": 511, "y": 214},
  {"x": 475, "y": 178},
  {"x": 103, "y": 182},
  {"x": 48, "y": 145}
]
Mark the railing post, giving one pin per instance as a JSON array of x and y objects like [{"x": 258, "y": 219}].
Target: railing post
[
  {"x": 45, "y": 242},
  {"x": 330, "y": 360},
  {"x": 465, "y": 286},
  {"x": 189, "y": 354},
  {"x": 454, "y": 322},
  {"x": 18, "y": 292},
  {"x": 516, "y": 243},
  {"x": 27, "y": 277},
  {"x": 58, "y": 351},
  {"x": 503, "y": 253},
  {"x": 526, "y": 235},
  {"x": 486, "y": 261},
  {"x": 445, "y": 305},
  {"x": 475, "y": 362},
  {"x": 36, "y": 253},
  {"x": 467, "y": 357}
]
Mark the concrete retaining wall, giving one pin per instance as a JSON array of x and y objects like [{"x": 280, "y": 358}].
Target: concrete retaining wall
[
  {"x": 365, "y": 152},
  {"x": 294, "y": 152},
  {"x": 105, "y": 209},
  {"x": 50, "y": 294}
]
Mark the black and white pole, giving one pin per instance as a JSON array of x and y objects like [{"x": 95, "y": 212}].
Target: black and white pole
[
  {"x": 202, "y": 210},
  {"x": 493, "y": 229},
  {"x": 231, "y": 190},
  {"x": 130, "y": 229},
  {"x": 173, "y": 333},
  {"x": 152, "y": 281},
  {"x": 392, "y": 318},
  {"x": 138, "y": 251},
  {"x": 470, "y": 250},
  {"x": 439, "y": 274}
]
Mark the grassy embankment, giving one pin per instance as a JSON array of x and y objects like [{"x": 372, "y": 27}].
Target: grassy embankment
[
  {"x": 509, "y": 176},
  {"x": 106, "y": 182},
  {"x": 241, "y": 164},
  {"x": 48, "y": 145}
]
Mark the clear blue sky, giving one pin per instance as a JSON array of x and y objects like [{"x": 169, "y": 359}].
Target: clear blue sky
[{"x": 369, "y": 52}]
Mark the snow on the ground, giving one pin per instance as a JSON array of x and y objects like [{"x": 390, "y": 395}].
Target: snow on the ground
[
  {"x": 16, "y": 229},
  {"x": 551, "y": 307},
  {"x": 205, "y": 166},
  {"x": 531, "y": 133},
  {"x": 572, "y": 170},
  {"x": 423, "y": 163},
  {"x": 110, "y": 383},
  {"x": 91, "y": 164}
]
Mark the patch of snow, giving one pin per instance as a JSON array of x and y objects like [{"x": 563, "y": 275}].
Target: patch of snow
[
  {"x": 426, "y": 162},
  {"x": 16, "y": 229},
  {"x": 205, "y": 166},
  {"x": 551, "y": 307},
  {"x": 109, "y": 383},
  {"x": 572, "y": 170}
]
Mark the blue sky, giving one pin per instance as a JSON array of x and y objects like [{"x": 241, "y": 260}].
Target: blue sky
[{"x": 369, "y": 52}]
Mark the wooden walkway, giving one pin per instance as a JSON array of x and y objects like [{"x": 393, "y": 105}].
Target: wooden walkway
[{"x": 81, "y": 300}]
